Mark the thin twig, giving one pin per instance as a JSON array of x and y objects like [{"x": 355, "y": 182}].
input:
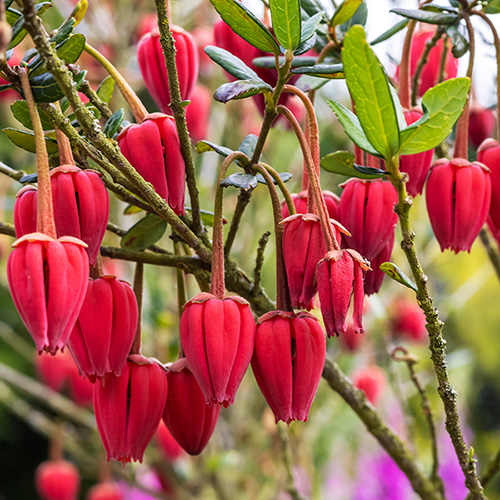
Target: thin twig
[{"x": 259, "y": 261}]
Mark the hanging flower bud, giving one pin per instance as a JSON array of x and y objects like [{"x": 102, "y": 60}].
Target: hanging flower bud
[
  {"x": 187, "y": 416},
  {"x": 106, "y": 326},
  {"x": 288, "y": 360},
  {"x": 154, "y": 71},
  {"x": 366, "y": 209},
  {"x": 48, "y": 281},
  {"x": 81, "y": 207},
  {"x": 417, "y": 166},
  {"x": 57, "y": 480},
  {"x": 351, "y": 341},
  {"x": 407, "y": 321},
  {"x": 55, "y": 370},
  {"x": 458, "y": 196},
  {"x": 481, "y": 125},
  {"x": 198, "y": 112},
  {"x": 374, "y": 278},
  {"x": 300, "y": 202},
  {"x": 81, "y": 389},
  {"x": 169, "y": 447},
  {"x": 105, "y": 491},
  {"x": 218, "y": 338},
  {"x": 128, "y": 408},
  {"x": 340, "y": 275},
  {"x": 371, "y": 380},
  {"x": 153, "y": 149},
  {"x": 489, "y": 154}
]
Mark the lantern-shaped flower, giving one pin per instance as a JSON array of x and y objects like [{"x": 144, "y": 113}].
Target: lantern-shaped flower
[
  {"x": 57, "y": 480},
  {"x": 106, "y": 326},
  {"x": 129, "y": 408},
  {"x": 366, "y": 209},
  {"x": 340, "y": 276},
  {"x": 187, "y": 416},
  {"x": 25, "y": 211},
  {"x": 481, "y": 124},
  {"x": 374, "y": 278},
  {"x": 371, "y": 380},
  {"x": 288, "y": 360},
  {"x": 458, "y": 195},
  {"x": 153, "y": 149},
  {"x": 417, "y": 166},
  {"x": 218, "y": 336},
  {"x": 154, "y": 71},
  {"x": 48, "y": 280}
]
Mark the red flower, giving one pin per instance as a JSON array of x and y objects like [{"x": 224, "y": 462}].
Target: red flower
[
  {"x": 481, "y": 124},
  {"x": 106, "y": 326},
  {"x": 351, "y": 341},
  {"x": 48, "y": 280},
  {"x": 374, "y": 278},
  {"x": 300, "y": 202},
  {"x": 128, "y": 408},
  {"x": 187, "y": 416},
  {"x": 169, "y": 447},
  {"x": 153, "y": 149},
  {"x": 489, "y": 154},
  {"x": 417, "y": 166},
  {"x": 288, "y": 360},
  {"x": 408, "y": 321},
  {"x": 366, "y": 209},
  {"x": 154, "y": 71},
  {"x": 81, "y": 207},
  {"x": 371, "y": 380},
  {"x": 57, "y": 480},
  {"x": 105, "y": 491},
  {"x": 458, "y": 196},
  {"x": 218, "y": 338},
  {"x": 198, "y": 112},
  {"x": 340, "y": 275}
]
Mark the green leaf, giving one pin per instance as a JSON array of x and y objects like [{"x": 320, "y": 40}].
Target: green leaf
[
  {"x": 433, "y": 7},
  {"x": 442, "y": 105},
  {"x": 460, "y": 45},
  {"x": 8, "y": 3},
  {"x": 64, "y": 31},
  {"x": 232, "y": 64},
  {"x": 285, "y": 16},
  {"x": 310, "y": 27},
  {"x": 307, "y": 83},
  {"x": 342, "y": 162},
  {"x": 144, "y": 233},
  {"x": 391, "y": 32},
  {"x": 29, "y": 179},
  {"x": 369, "y": 89},
  {"x": 247, "y": 25},
  {"x": 18, "y": 31},
  {"x": 45, "y": 88},
  {"x": 206, "y": 217},
  {"x": 345, "y": 11},
  {"x": 248, "y": 145},
  {"x": 79, "y": 11},
  {"x": 105, "y": 89},
  {"x": 352, "y": 127},
  {"x": 240, "y": 180},
  {"x": 285, "y": 177},
  {"x": 132, "y": 209},
  {"x": 114, "y": 123},
  {"x": 359, "y": 17},
  {"x": 331, "y": 71},
  {"x": 22, "y": 114},
  {"x": 26, "y": 140},
  {"x": 425, "y": 16},
  {"x": 240, "y": 90},
  {"x": 270, "y": 61},
  {"x": 12, "y": 15},
  {"x": 312, "y": 7},
  {"x": 492, "y": 7},
  {"x": 206, "y": 146},
  {"x": 396, "y": 274}
]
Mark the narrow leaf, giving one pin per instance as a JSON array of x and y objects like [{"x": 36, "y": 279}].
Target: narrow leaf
[
  {"x": 232, "y": 64},
  {"x": 105, "y": 89},
  {"x": 144, "y": 233},
  {"x": 391, "y": 32},
  {"x": 285, "y": 177},
  {"x": 310, "y": 26},
  {"x": 332, "y": 71},
  {"x": 396, "y": 274},
  {"x": 26, "y": 140},
  {"x": 285, "y": 15},
  {"x": 244, "y": 23},
  {"x": 79, "y": 11},
  {"x": 369, "y": 89},
  {"x": 460, "y": 45},
  {"x": 312, "y": 7},
  {"x": 345, "y": 11},
  {"x": 442, "y": 105},
  {"x": 240, "y": 90},
  {"x": 359, "y": 17},
  {"x": 270, "y": 61},
  {"x": 342, "y": 163},
  {"x": 114, "y": 123},
  {"x": 206, "y": 146},
  {"x": 428, "y": 17},
  {"x": 64, "y": 31},
  {"x": 18, "y": 31}
]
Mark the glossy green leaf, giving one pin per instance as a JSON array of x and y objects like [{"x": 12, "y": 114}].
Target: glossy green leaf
[
  {"x": 352, "y": 127},
  {"x": 459, "y": 44},
  {"x": 310, "y": 26},
  {"x": 105, "y": 89},
  {"x": 391, "y": 32},
  {"x": 305, "y": 46},
  {"x": 247, "y": 25},
  {"x": 285, "y": 16},
  {"x": 312, "y": 7},
  {"x": 241, "y": 89},
  {"x": 493, "y": 7},
  {"x": 18, "y": 31},
  {"x": 425, "y": 16},
  {"x": 22, "y": 114},
  {"x": 342, "y": 163},
  {"x": 284, "y": 176},
  {"x": 79, "y": 11},
  {"x": 359, "y": 17},
  {"x": 434, "y": 7},
  {"x": 8, "y": 3},
  {"x": 270, "y": 61},
  {"x": 240, "y": 180},
  {"x": 397, "y": 275},
  {"x": 369, "y": 89},
  {"x": 248, "y": 145},
  {"x": 12, "y": 15},
  {"x": 207, "y": 146},
  {"x": 64, "y": 31},
  {"x": 331, "y": 71},
  {"x": 114, "y": 123},
  {"x": 345, "y": 11},
  {"x": 26, "y": 140},
  {"x": 144, "y": 233},
  {"x": 232, "y": 64},
  {"x": 442, "y": 105}
]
